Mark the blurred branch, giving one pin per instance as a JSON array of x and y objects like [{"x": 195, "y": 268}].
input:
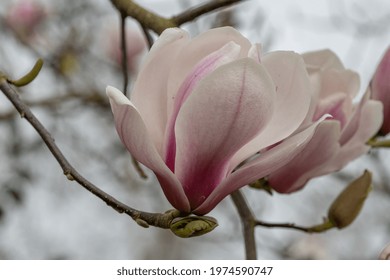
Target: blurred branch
[
  {"x": 148, "y": 36},
  {"x": 248, "y": 224},
  {"x": 142, "y": 218},
  {"x": 158, "y": 24},
  {"x": 93, "y": 98},
  {"x": 200, "y": 10},
  {"x": 314, "y": 229},
  {"x": 124, "y": 53},
  {"x": 148, "y": 19}
]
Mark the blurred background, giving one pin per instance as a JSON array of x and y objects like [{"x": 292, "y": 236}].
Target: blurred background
[{"x": 45, "y": 216}]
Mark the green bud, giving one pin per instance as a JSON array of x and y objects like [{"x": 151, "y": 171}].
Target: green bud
[
  {"x": 193, "y": 226},
  {"x": 261, "y": 184},
  {"x": 348, "y": 204},
  {"x": 30, "y": 76}
]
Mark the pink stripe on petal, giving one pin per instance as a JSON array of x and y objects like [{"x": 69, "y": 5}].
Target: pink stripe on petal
[
  {"x": 337, "y": 105},
  {"x": 259, "y": 167},
  {"x": 196, "y": 49},
  {"x": 226, "y": 54},
  {"x": 134, "y": 135},
  {"x": 150, "y": 89},
  {"x": 314, "y": 159},
  {"x": 212, "y": 126}
]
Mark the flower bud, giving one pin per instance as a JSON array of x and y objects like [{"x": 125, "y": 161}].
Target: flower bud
[
  {"x": 193, "y": 226},
  {"x": 380, "y": 86},
  {"x": 348, "y": 204},
  {"x": 25, "y": 16}
]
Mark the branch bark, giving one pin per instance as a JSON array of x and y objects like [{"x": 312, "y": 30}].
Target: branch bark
[
  {"x": 157, "y": 23},
  {"x": 147, "y": 18},
  {"x": 248, "y": 224},
  {"x": 202, "y": 9}
]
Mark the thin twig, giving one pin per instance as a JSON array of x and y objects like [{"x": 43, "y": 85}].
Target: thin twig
[
  {"x": 142, "y": 218},
  {"x": 248, "y": 223},
  {"x": 284, "y": 225},
  {"x": 148, "y": 19},
  {"x": 148, "y": 36},
  {"x": 193, "y": 13},
  {"x": 89, "y": 99},
  {"x": 124, "y": 53}
]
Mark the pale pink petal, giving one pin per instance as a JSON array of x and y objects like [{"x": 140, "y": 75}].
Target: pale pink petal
[
  {"x": 259, "y": 167},
  {"x": 212, "y": 126},
  {"x": 311, "y": 161},
  {"x": 292, "y": 101},
  {"x": 134, "y": 135},
  {"x": 226, "y": 54},
  {"x": 255, "y": 52},
  {"x": 196, "y": 49},
  {"x": 370, "y": 118},
  {"x": 336, "y": 81},
  {"x": 335, "y": 106},
  {"x": 321, "y": 60},
  {"x": 315, "y": 89},
  {"x": 360, "y": 117},
  {"x": 150, "y": 89}
]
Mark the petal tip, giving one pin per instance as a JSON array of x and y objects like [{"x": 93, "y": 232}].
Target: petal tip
[{"x": 116, "y": 96}]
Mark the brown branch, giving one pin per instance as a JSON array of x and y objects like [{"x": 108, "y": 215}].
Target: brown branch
[
  {"x": 142, "y": 218},
  {"x": 148, "y": 36},
  {"x": 158, "y": 24},
  {"x": 147, "y": 18},
  {"x": 124, "y": 53},
  {"x": 193, "y": 13},
  {"x": 314, "y": 229},
  {"x": 93, "y": 99},
  {"x": 248, "y": 224}
]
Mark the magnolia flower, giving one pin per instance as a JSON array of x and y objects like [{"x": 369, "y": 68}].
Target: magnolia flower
[
  {"x": 333, "y": 88},
  {"x": 202, "y": 108},
  {"x": 380, "y": 86},
  {"x": 25, "y": 16}
]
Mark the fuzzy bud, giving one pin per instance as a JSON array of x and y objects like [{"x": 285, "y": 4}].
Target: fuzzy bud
[{"x": 348, "y": 204}]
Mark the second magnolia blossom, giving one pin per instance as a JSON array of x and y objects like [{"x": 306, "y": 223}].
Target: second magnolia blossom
[
  {"x": 202, "y": 108},
  {"x": 352, "y": 125}
]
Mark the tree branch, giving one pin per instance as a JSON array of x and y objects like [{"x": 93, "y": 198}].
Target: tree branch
[
  {"x": 248, "y": 224},
  {"x": 142, "y": 218},
  {"x": 148, "y": 36},
  {"x": 158, "y": 24},
  {"x": 124, "y": 52},
  {"x": 195, "y": 12},
  {"x": 314, "y": 229},
  {"x": 148, "y": 19}
]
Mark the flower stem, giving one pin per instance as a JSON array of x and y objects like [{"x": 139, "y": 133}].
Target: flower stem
[{"x": 248, "y": 224}]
